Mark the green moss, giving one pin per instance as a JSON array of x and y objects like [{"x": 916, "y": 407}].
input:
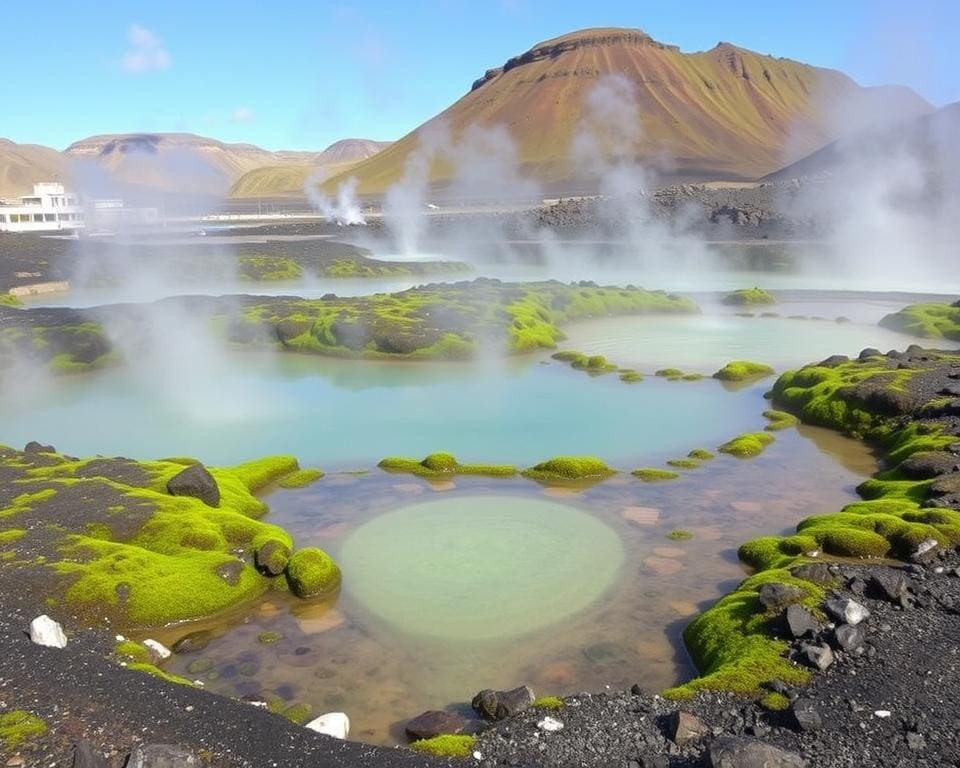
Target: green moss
[
  {"x": 630, "y": 377},
  {"x": 267, "y": 268},
  {"x": 684, "y": 463},
  {"x": 150, "y": 669},
  {"x": 742, "y": 370},
  {"x": 443, "y": 464},
  {"x": 749, "y": 297},
  {"x": 570, "y": 468},
  {"x": 679, "y": 535},
  {"x": 747, "y": 445},
  {"x": 130, "y": 650},
  {"x": 446, "y": 746},
  {"x": 654, "y": 475},
  {"x": 930, "y": 320},
  {"x": 19, "y": 727},
  {"x": 298, "y": 713},
  {"x": 312, "y": 573},
  {"x": 669, "y": 373},
  {"x": 271, "y": 553},
  {"x": 269, "y": 638},
  {"x": 11, "y": 536},
  {"x": 549, "y": 702},
  {"x": 300, "y": 479},
  {"x": 10, "y": 300},
  {"x": 692, "y": 377},
  {"x": 702, "y": 454},
  {"x": 774, "y": 702},
  {"x": 732, "y": 645},
  {"x": 779, "y": 420},
  {"x": 768, "y": 552},
  {"x": 199, "y": 666}
]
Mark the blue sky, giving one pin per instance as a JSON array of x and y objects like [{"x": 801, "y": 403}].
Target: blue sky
[{"x": 299, "y": 75}]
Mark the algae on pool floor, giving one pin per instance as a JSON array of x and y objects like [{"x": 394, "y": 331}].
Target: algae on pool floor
[{"x": 480, "y": 567}]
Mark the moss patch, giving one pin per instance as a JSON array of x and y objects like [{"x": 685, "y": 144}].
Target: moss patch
[
  {"x": 19, "y": 727},
  {"x": 779, "y": 420},
  {"x": 701, "y": 454},
  {"x": 443, "y": 464},
  {"x": 654, "y": 475},
  {"x": 930, "y": 320},
  {"x": 743, "y": 370},
  {"x": 588, "y": 468},
  {"x": 686, "y": 463},
  {"x": 549, "y": 702},
  {"x": 679, "y": 535},
  {"x": 446, "y": 746},
  {"x": 300, "y": 479},
  {"x": 749, "y": 297},
  {"x": 748, "y": 445},
  {"x": 312, "y": 573}
]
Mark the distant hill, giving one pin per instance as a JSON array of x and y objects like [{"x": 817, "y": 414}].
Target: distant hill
[
  {"x": 290, "y": 178},
  {"x": 724, "y": 114},
  {"x": 22, "y": 165},
  {"x": 930, "y": 139}
]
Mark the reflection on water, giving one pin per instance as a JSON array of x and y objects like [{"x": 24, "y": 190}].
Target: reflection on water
[{"x": 342, "y": 655}]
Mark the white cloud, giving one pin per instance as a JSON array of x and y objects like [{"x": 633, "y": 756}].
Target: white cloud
[
  {"x": 146, "y": 52},
  {"x": 243, "y": 115}
]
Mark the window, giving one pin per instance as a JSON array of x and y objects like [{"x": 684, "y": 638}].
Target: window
[
  {"x": 49, "y": 217},
  {"x": 3, "y": 218},
  {"x": 38, "y": 217}
]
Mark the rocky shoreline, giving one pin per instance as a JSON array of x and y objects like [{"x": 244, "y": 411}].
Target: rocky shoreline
[{"x": 875, "y": 642}]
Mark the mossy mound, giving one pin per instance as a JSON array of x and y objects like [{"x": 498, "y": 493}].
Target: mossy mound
[
  {"x": 686, "y": 463},
  {"x": 748, "y": 445},
  {"x": 300, "y": 479},
  {"x": 19, "y": 727},
  {"x": 311, "y": 572},
  {"x": 630, "y": 377},
  {"x": 654, "y": 475},
  {"x": 132, "y": 651},
  {"x": 779, "y": 420},
  {"x": 930, "y": 320},
  {"x": 743, "y": 370},
  {"x": 669, "y": 373},
  {"x": 701, "y": 454},
  {"x": 577, "y": 468},
  {"x": 105, "y": 538},
  {"x": 441, "y": 464},
  {"x": 749, "y": 297},
  {"x": 549, "y": 702},
  {"x": 446, "y": 746},
  {"x": 679, "y": 535}
]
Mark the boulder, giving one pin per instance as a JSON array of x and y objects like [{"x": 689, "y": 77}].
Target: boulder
[
  {"x": 195, "y": 481},
  {"x": 34, "y": 447},
  {"x": 84, "y": 755},
  {"x": 816, "y": 573},
  {"x": 682, "y": 727},
  {"x": 498, "y": 705},
  {"x": 550, "y": 725},
  {"x": 846, "y": 611},
  {"x": 774, "y": 595},
  {"x": 45, "y": 631},
  {"x": 435, "y": 723},
  {"x": 848, "y": 637},
  {"x": 928, "y": 465},
  {"x": 817, "y": 656},
  {"x": 335, "y": 724},
  {"x": 732, "y": 752},
  {"x": 926, "y": 550},
  {"x": 866, "y": 354},
  {"x": 799, "y": 622},
  {"x": 158, "y": 650},
  {"x": 833, "y": 361},
  {"x": 162, "y": 756},
  {"x": 195, "y": 641},
  {"x": 889, "y": 585},
  {"x": 806, "y": 715}
]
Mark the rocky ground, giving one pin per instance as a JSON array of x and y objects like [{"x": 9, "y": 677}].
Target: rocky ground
[{"x": 889, "y": 697}]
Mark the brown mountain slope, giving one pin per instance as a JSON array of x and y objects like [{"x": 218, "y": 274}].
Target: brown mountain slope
[
  {"x": 726, "y": 113},
  {"x": 289, "y": 178},
  {"x": 22, "y": 165},
  {"x": 172, "y": 162}
]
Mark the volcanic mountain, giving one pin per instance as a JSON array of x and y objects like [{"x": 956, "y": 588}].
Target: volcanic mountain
[
  {"x": 289, "y": 178},
  {"x": 22, "y": 165},
  {"x": 727, "y": 113}
]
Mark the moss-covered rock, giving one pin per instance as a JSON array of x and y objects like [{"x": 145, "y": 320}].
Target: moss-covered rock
[
  {"x": 930, "y": 320},
  {"x": 654, "y": 475},
  {"x": 311, "y": 572},
  {"x": 748, "y": 445},
  {"x": 679, "y": 534},
  {"x": 300, "y": 479},
  {"x": 701, "y": 454},
  {"x": 686, "y": 463},
  {"x": 575, "y": 468},
  {"x": 271, "y": 554},
  {"x": 743, "y": 370},
  {"x": 779, "y": 420},
  {"x": 18, "y": 727},
  {"x": 749, "y": 297},
  {"x": 549, "y": 702},
  {"x": 443, "y": 464},
  {"x": 446, "y": 746}
]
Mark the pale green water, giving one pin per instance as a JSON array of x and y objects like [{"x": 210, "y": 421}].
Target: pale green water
[{"x": 479, "y": 567}]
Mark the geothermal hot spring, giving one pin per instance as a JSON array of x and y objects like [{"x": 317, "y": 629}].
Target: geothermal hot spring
[{"x": 456, "y": 585}]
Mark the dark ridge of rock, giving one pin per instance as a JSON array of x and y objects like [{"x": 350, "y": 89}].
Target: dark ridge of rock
[{"x": 195, "y": 481}]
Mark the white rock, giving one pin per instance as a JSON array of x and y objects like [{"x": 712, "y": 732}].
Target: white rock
[
  {"x": 550, "y": 725},
  {"x": 925, "y": 546},
  {"x": 335, "y": 724},
  {"x": 45, "y": 631},
  {"x": 477, "y": 755},
  {"x": 159, "y": 649},
  {"x": 120, "y": 638},
  {"x": 882, "y": 713}
]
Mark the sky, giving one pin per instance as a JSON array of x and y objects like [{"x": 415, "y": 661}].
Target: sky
[{"x": 300, "y": 75}]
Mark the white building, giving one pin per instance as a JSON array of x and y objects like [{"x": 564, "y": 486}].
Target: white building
[{"x": 50, "y": 207}]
